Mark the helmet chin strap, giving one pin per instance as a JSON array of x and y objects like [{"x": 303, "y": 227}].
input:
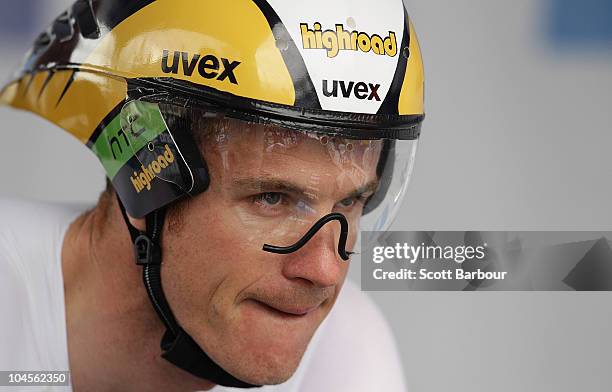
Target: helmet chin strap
[{"x": 177, "y": 346}]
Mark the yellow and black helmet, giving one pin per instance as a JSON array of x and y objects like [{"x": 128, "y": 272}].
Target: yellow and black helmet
[{"x": 349, "y": 68}]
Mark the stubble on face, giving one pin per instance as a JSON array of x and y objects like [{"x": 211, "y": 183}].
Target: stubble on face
[{"x": 221, "y": 295}]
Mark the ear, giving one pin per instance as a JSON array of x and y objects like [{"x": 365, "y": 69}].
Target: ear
[{"x": 140, "y": 224}]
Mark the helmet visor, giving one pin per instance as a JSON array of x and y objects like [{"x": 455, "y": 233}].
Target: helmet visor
[{"x": 272, "y": 183}]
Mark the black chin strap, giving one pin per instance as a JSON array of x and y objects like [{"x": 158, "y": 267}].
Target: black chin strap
[{"x": 177, "y": 346}]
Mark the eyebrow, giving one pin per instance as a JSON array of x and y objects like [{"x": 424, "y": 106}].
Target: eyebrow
[{"x": 270, "y": 184}]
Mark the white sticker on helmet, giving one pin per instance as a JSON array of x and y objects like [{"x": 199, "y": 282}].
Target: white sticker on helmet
[{"x": 351, "y": 48}]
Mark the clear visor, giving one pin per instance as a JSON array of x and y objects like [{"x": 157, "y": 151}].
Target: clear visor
[{"x": 271, "y": 184}]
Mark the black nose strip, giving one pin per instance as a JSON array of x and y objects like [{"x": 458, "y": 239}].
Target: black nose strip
[{"x": 313, "y": 230}]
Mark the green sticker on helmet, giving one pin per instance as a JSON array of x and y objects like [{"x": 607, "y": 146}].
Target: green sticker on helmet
[{"x": 137, "y": 124}]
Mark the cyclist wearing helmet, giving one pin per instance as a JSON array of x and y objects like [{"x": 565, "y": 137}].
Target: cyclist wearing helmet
[{"x": 246, "y": 144}]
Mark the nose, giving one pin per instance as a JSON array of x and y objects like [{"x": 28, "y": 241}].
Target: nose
[{"x": 318, "y": 260}]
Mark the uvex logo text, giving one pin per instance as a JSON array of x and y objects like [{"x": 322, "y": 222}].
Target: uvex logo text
[
  {"x": 361, "y": 90},
  {"x": 209, "y": 66}
]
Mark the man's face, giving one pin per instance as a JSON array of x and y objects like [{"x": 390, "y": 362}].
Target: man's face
[{"x": 254, "y": 312}]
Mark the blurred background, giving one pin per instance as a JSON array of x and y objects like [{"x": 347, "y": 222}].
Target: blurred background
[{"x": 519, "y": 126}]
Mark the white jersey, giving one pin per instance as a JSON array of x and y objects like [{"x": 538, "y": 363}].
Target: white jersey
[{"x": 353, "y": 350}]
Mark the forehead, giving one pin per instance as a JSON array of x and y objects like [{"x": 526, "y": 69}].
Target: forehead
[{"x": 246, "y": 149}]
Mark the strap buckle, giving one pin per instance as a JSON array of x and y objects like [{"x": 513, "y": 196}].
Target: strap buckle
[{"x": 146, "y": 251}]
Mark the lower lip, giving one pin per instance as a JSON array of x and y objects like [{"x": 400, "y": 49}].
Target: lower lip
[{"x": 278, "y": 313}]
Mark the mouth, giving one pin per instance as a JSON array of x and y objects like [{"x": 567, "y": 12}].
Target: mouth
[{"x": 287, "y": 312}]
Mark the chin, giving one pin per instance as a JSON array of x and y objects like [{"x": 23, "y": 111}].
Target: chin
[
  {"x": 259, "y": 357},
  {"x": 261, "y": 365},
  {"x": 269, "y": 371},
  {"x": 258, "y": 345}
]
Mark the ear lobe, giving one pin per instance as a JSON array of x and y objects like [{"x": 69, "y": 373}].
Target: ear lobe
[{"x": 140, "y": 224}]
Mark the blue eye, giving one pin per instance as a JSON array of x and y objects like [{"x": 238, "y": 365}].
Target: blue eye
[
  {"x": 271, "y": 198},
  {"x": 347, "y": 202}
]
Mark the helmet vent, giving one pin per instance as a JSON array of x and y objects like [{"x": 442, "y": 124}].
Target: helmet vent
[{"x": 86, "y": 19}]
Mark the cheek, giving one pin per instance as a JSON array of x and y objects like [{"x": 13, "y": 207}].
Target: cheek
[{"x": 204, "y": 265}]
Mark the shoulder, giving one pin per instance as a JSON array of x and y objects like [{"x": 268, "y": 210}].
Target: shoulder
[
  {"x": 27, "y": 224},
  {"x": 31, "y": 286},
  {"x": 356, "y": 349},
  {"x": 351, "y": 302},
  {"x": 31, "y": 236},
  {"x": 27, "y": 215},
  {"x": 31, "y": 232}
]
